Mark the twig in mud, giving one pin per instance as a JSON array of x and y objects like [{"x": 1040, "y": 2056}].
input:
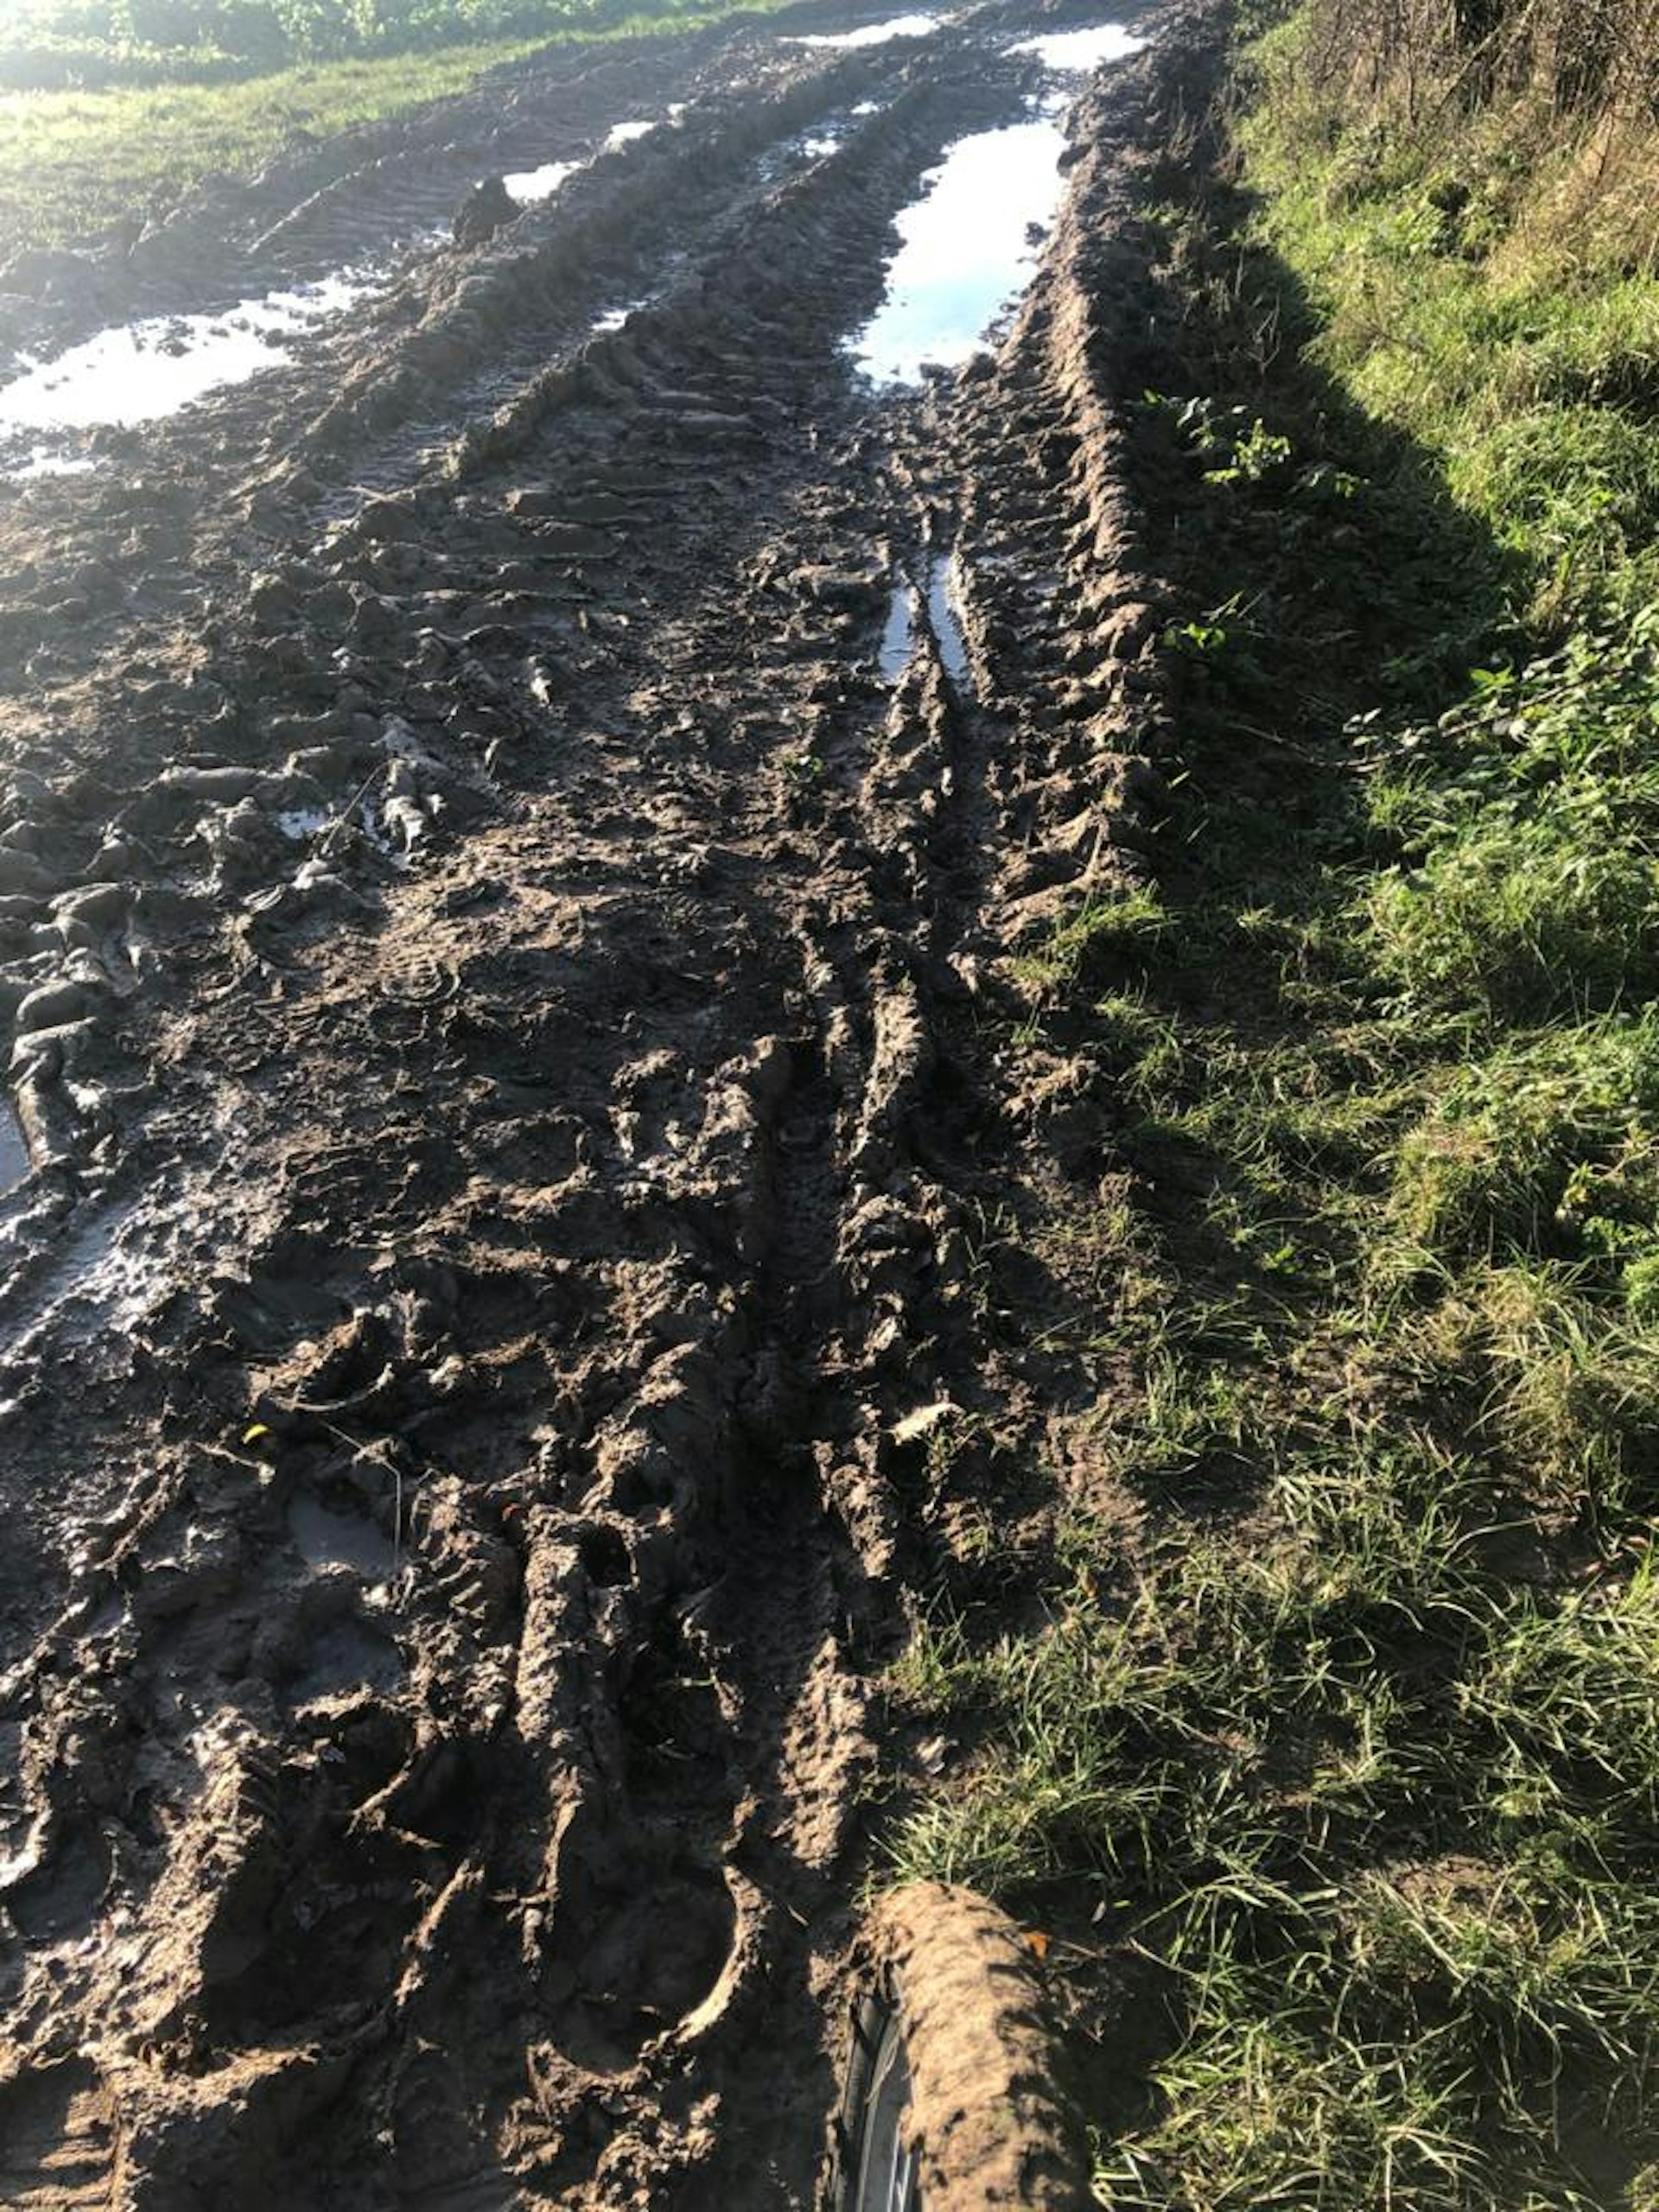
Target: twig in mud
[
  {"x": 350, "y": 808},
  {"x": 380, "y": 1457},
  {"x": 1284, "y": 745}
]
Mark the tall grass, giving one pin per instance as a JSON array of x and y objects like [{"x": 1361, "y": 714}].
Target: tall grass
[
  {"x": 74, "y": 163},
  {"x": 1593, "y": 59},
  {"x": 1552, "y": 102}
]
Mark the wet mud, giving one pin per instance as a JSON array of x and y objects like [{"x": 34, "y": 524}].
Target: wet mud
[{"x": 511, "y": 825}]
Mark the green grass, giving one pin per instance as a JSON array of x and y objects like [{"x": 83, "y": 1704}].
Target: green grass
[
  {"x": 1407, "y": 1929},
  {"x": 74, "y": 164},
  {"x": 1340, "y": 1735}
]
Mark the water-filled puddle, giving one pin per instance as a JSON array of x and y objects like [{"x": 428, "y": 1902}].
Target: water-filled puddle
[
  {"x": 529, "y": 187},
  {"x": 943, "y": 587},
  {"x": 1073, "y": 51},
  {"x": 897, "y": 637},
  {"x": 141, "y": 372},
  {"x": 872, "y": 34},
  {"x": 965, "y": 250},
  {"x": 45, "y": 462},
  {"x": 14, "y": 1153},
  {"x": 943, "y": 620},
  {"x": 969, "y": 242}
]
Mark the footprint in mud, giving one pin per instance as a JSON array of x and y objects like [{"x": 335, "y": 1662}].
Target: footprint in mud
[
  {"x": 56, "y": 2137},
  {"x": 347, "y": 1656},
  {"x": 639, "y": 1939},
  {"x": 325, "y": 1538},
  {"x": 61, "y": 1896}
]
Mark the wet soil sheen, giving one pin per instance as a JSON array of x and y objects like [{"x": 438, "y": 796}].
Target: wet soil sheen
[{"x": 510, "y": 817}]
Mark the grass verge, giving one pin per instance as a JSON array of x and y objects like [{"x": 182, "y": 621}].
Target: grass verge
[
  {"x": 74, "y": 163},
  {"x": 1336, "y": 1756}
]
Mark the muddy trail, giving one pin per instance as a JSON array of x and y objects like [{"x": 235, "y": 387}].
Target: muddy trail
[{"x": 509, "y": 822}]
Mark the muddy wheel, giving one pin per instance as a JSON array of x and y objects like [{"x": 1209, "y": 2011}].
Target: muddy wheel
[{"x": 953, "y": 2099}]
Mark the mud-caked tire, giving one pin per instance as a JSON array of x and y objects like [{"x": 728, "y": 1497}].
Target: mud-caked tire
[{"x": 954, "y": 2001}]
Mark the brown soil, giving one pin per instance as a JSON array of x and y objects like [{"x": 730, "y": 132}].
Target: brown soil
[{"x": 457, "y": 1496}]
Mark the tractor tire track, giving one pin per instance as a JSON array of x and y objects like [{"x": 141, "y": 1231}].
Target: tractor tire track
[{"x": 504, "y": 1014}]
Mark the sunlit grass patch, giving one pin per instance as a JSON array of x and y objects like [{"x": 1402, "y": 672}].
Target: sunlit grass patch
[{"x": 1342, "y": 1737}]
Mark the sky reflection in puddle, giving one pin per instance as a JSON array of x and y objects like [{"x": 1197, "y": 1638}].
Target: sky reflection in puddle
[
  {"x": 1072, "y": 51},
  {"x": 141, "y": 372},
  {"x": 14, "y": 1153},
  {"x": 965, "y": 250},
  {"x": 871, "y": 33},
  {"x": 528, "y": 186}
]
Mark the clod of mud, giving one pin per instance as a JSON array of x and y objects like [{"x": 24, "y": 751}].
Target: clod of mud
[{"x": 487, "y": 208}]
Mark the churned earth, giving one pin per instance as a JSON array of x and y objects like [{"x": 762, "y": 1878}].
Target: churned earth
[{"x": 510, "y": 820}]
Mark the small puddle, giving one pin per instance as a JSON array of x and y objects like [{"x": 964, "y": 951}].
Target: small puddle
[
  {"x": 141, "y": 372},
  {"x": 965, "y": 250},
  {"x": 529, "y": 187},
  {"x": 943, "y": 588},
  {"x": 896, "y": 639},
  {"x": 1070, "y": 52},
  {"x": 872, "y": 34},
  {"x": 944, "y": 620},
  {"x": 45, "y": 462},
  {"x": 14, "y": 1153}
]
